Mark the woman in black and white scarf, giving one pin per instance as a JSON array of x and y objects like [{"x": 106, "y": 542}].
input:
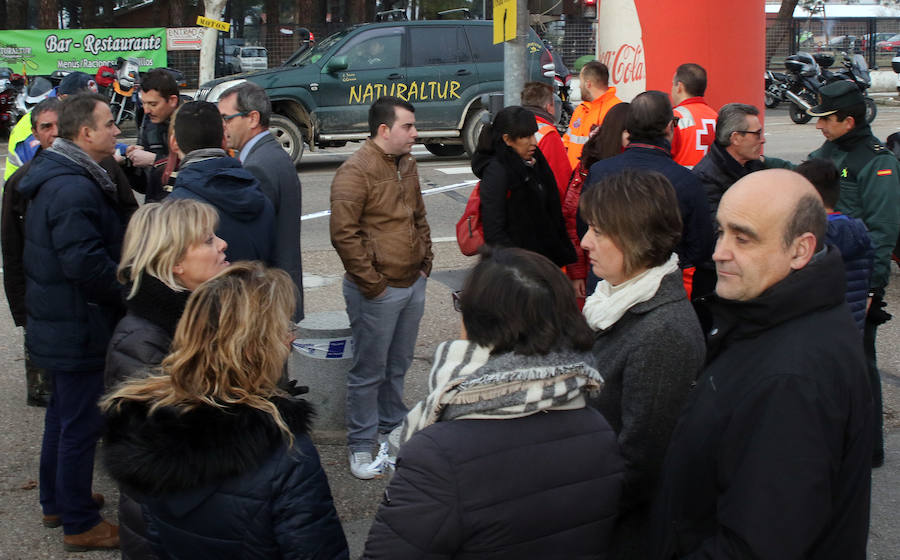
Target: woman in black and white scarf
[{"x": 503, "y": 457}]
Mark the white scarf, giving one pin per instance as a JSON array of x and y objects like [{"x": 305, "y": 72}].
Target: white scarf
[{"x": 608, "y": 303}]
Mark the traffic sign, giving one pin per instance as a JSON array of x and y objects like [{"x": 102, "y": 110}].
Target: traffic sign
[
  {"x": 214, "y": 23},
  {"x": 504, "y": 20}
]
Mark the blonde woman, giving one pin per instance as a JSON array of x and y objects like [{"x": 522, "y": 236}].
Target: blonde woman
[
  {"x": 220, "y": 456},
  {"x": 169, "y": 250}
]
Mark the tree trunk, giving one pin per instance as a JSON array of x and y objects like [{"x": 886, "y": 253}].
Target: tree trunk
[
  {"x": 89, "y": 13},
  {"x": 356, "y": 11},
  {"x": 16, "y": 12},
  {"x": 107, "y": 19},
  {"x": 213, "y": 10},
  {"x": 778, "y": 37},
  {"x": 176, "y": 14},
  {"x": 48, "y": 14}
]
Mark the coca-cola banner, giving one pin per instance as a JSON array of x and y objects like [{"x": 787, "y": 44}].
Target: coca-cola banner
[{"x": 643, "y": 42}]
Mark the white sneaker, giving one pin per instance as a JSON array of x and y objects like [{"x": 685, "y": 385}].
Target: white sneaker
[
  {"x": 388, "y": 445},
  {"x": 362, "y": 466}
]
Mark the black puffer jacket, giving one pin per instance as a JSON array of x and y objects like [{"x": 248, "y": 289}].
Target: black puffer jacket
[
  {"x": 541, "y": 486},
  {"x": 142, "y": 338},
  {"x": 221, "y": 483},
  {"x": 520, "y": 204}
]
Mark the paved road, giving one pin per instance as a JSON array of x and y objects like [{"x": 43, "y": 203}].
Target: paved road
[{"x": 23, "y": 537}]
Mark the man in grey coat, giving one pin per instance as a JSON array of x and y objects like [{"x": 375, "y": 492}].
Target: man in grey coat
[{"x": 246, "y": 109}]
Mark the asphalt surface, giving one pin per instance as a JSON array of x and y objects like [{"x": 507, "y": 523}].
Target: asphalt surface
[{"x": 23, "y": 537}]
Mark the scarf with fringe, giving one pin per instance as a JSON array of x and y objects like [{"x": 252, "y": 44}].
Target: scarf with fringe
[
  {"x": 466, "y": 382},
  {"x": 608, "y": 303}
]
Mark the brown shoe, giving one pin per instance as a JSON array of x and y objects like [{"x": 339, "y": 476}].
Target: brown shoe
[
  {"x": 103, "y": 535},
  {"x": 53, "y": 521}
]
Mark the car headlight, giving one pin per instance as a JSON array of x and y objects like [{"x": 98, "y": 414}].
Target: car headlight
[{"x": 218, "y": 89}]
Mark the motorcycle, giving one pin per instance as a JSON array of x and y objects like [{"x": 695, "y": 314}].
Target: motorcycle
[
  {"x": 776, "y": 84},
  {"x": 807, "y": 74},
  {"x": 123, "y": 96},
  {"x": 561, "y": 77},
  {"x": 38, "y": 90},
  {"x": 11, "y": 85}
]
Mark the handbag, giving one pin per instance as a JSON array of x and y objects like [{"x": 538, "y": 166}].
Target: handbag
[{"x": 469, "y": 228}]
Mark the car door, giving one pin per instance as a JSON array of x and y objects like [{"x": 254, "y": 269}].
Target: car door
[
  {"x": 439, "y": 74},
  {"x": 368, "y": 66}
]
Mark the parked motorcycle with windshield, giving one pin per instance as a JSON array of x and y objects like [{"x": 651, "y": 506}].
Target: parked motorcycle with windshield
[{"x": 807, "y": 74}]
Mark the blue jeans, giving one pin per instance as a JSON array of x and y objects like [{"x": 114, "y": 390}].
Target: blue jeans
[
  {"x": 72, "y": 426},
  {"x": 384, "y": 339}
]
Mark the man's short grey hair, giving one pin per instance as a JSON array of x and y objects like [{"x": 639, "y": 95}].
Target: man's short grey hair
[
  {"x": 732, "y": 118},
  {"x": 251, "y": 97}
]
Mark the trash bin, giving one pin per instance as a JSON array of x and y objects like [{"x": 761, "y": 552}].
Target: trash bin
[{"x": 321, "y": 355}]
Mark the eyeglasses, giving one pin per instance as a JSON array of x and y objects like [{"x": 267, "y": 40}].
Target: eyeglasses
[
  {"x": 227, "y": 118},
  {"x": 758, "y": 133},
  {"x": 457, "y": 297},
  {"x": 675, "y": 120}
]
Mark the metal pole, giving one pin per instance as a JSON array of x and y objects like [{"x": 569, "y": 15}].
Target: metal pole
[{"x": 514, "y": 58}]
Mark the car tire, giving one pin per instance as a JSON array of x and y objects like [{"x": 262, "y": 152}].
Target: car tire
[
  {"x": 871, "y": 110},
  {"x": 446, "y": 150},
  {"x": 472, "y": 129},
  {"x": 288, "y": 134},
  {"x": 798, "y": 114}
]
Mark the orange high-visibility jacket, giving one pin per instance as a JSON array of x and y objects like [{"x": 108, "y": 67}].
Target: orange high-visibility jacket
[
  {"x": 585, "y": 117},
  {"x": 695, "y": 132}
]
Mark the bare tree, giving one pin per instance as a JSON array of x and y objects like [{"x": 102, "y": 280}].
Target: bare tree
[
  {"x": 89, "y": 13},
  {"x": 107, "y": 19},
  {"x": 778, "y": 36},
  {"x": 48, "y": 14},
  {"x": 176, "y": 14},
  {"x": 16, "y": 13}
]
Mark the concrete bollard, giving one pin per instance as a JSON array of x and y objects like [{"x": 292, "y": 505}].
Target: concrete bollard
[{"x": 322, "y": 354}]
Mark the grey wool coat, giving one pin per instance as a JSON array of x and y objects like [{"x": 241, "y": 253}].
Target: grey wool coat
[
  {"x": 277, "y": 177},
  {"x": 649, "y": 360}
]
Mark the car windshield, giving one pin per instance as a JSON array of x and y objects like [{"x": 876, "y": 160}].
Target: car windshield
[
  {"x": 312, "y": 55},
  {"x": 895, "y": 38}
]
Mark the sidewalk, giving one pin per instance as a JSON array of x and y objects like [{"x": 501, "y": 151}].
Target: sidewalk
[{"x": 23, "y": 537}]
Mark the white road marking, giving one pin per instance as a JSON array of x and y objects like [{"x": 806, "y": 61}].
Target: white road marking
[
  {"x": 426, "y": 192},
  {"x": 454, "y": 170}
]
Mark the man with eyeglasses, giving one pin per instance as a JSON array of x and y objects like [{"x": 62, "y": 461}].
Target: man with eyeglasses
[
  {"x": 245, "y": 110},
  {"x": 870, "y": 191},
  {"x": 650, "y": 126},
  {"x": 734, "y": 154}
]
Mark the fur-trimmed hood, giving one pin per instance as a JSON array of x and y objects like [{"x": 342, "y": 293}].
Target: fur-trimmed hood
[{"x": 170, "y": 452}]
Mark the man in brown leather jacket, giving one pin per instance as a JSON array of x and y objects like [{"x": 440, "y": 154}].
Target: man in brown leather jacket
[{"x": 379, "y": 230}]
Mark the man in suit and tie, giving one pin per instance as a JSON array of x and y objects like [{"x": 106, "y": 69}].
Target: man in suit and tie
[{"x": 246, "y": 109}]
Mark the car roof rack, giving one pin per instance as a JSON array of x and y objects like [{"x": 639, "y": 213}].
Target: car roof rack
[
  {"x": 465, "y": 12},
  {"x": 397, "y": 14}
]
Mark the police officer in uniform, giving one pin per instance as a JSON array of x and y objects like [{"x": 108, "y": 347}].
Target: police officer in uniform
[{"x": 870, "y": 191}]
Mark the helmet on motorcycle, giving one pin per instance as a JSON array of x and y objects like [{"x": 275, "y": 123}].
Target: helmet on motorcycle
[
  {"x": 833, "y": 97},
  {"x": 105, "y": 76}
]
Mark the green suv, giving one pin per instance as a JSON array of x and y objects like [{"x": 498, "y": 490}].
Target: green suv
[{"x": 322, "y": 95}]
